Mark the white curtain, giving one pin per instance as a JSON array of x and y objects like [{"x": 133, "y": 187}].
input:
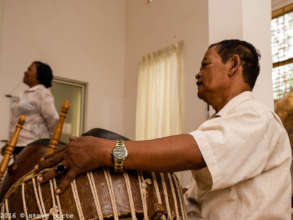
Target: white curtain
[{"x": 159, "y": 97}]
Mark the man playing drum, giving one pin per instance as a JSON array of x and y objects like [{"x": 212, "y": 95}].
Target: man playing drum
[{"x": 242, "y": 153}]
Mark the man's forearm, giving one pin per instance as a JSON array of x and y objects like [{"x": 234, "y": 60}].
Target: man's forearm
[{"x": 173, "y": 153}]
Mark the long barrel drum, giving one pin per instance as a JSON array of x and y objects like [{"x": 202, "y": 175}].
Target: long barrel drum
[{"x": 99, "y": 194}]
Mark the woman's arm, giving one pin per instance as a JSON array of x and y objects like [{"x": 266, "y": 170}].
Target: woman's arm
[{"x": 48, "y": 111}]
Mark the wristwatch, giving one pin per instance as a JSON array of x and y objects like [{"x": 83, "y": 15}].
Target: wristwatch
[{"x": 119, "y": 154}]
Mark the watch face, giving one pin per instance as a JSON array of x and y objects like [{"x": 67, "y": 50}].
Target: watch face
[{"x": 120, "y": 153}]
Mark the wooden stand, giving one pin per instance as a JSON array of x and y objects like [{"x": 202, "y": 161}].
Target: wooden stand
[
  {"x": 58, "y": 129},
  {"x": 11, "y": 145}
]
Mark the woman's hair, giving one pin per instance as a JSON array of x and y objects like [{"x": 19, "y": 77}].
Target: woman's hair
[{"x": 44, "y": 74}]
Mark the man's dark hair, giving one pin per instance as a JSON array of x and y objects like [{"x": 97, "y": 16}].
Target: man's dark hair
[
  {"x": 44, "y": 74},
  {"x": 249, "y": 57}
]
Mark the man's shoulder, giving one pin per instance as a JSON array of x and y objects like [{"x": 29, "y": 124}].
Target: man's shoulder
[
  {"x": 250, "y": 107},
  {"x": 266, "y": 114},
  {"x": 256, "y": 106},
  {"x": 245, "y": 102}
]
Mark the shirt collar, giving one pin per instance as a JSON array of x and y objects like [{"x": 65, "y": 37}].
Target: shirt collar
[
  {"x": 34, "y": 88},
  {"x": 235, "y": 101}
]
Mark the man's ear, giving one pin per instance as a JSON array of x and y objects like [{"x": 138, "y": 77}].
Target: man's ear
[{"x": 235, "y": 64}]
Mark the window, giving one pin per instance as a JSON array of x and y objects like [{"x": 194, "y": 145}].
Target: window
[{"x": 282, "y": 50}]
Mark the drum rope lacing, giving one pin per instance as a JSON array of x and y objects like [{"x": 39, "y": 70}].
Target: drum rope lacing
[
  {"x": 76, "y": 199},
  {"x": 166, "y": 195},
  {"x": 57, "y": 197},
  {"x": 157, "y": 191},
  {"x": 56, "y": 210},
  {"x": 142, "y": 187},
  {"x": 111, "y": 192},
  {"x": 174, "y": 195},
  {"x": 23, "y": 201},
  {"x": 2, "y": 210},
  {"x": 130, "y": 197},
  {"x": 42, "y": 212},
  {"x": 7, "y": 209},
  {"x": 41, "y": 197},
  {"x": 180, "y": 197},
  {"x": 95, "y": 195}
]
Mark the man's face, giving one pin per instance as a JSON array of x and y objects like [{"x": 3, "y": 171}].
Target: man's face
[{"x": 212, "y": 79}]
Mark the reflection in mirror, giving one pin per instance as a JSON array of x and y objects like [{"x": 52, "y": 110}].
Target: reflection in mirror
[{"x": 75, "y": 92}]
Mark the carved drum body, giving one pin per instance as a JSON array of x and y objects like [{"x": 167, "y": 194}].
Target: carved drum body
[
  {"x": 100, "y": 194},
  {"x": 97, "y": 195}
]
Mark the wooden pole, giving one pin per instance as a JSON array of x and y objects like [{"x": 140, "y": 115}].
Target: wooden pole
[
  {"x": 58, "y": 129},
  {"x": 11, "y": 145}
]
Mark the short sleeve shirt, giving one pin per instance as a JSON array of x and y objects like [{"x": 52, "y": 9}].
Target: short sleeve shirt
[
  {"x": 37, "y": 104},
  {"x": 248, "y": 157}
]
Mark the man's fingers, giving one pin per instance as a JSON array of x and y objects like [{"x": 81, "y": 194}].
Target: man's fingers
[
  {"x": 59, "y": 149},
  {"x": 50, "y": 161},
  {"x": 66, "y": 180},
  {"x": 47, "y": 174}
]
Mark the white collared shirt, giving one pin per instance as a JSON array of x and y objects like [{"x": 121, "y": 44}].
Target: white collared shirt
[
  {"x": 37, "y": 104},
  {"x": 248, "y": 157}
]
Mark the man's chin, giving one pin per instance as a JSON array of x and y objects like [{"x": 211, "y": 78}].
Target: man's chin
[{"x": 200, "y": 95}]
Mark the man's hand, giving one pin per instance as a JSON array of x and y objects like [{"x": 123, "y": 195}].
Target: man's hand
[{"x": 80, "y": 155}]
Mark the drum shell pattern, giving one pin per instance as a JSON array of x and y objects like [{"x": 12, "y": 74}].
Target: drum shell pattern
[{"x": 151, "y": 196}]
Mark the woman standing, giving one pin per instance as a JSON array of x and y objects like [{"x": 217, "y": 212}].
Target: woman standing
[{"x": 37, "y": 104}]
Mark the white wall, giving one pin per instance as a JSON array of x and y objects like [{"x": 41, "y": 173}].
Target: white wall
[
  {"x": 83, "y": 40},
  {"x": 1, "y": 19},
  {"x": 257, "y": 30},
  {"x": 154, "y": 26},
  {"x": 247, "y": 20},
  {"x": 224, "y": 22},
  {"x": 87, "y": 40},
  {"x": 198, "y": 24}
]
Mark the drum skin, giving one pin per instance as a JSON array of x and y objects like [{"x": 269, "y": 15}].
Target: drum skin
[{"x": 99, "y": 194}]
